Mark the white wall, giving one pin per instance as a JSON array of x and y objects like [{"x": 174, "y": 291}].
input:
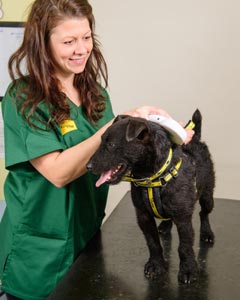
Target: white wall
[{"x": 179, "y": 55}]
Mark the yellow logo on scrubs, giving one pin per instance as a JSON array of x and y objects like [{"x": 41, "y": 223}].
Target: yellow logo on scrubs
[{"x": 67, "y": 126}]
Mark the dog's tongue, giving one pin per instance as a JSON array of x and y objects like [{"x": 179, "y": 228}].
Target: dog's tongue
[{"x": 103, "y": 178}]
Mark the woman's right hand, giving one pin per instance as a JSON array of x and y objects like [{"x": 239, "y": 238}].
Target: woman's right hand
[{"x": 144, "y": 111}]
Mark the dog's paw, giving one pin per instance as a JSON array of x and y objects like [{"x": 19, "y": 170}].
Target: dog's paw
[
  {"x": 154, "y": 269},
  {"x": 207, "y": 237},
  {"x": 188, "y": 276}
]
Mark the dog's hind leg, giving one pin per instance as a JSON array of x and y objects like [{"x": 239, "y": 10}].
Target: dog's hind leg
[
  {"x": 188, "y": 271},
  {"x": 156, "y": 264},
  {"x": 206, "y": 202}
]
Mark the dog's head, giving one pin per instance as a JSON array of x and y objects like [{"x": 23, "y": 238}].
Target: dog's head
[{"x": 130, "y": 144}]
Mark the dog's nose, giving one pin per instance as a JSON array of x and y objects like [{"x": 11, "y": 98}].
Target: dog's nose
[{"x": 89, "y": 165}]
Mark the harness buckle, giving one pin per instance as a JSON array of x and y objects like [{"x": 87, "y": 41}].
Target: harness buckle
[
  {"x": 163, "y": 182},
  {"x": 174, "y": 172},
  {"x": 149, "y": 181}
]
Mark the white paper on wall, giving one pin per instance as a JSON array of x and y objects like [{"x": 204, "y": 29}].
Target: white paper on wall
[{"x": 10, "y": 39}]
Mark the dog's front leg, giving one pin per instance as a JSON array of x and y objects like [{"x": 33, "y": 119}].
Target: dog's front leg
[
  {"x": 188, "y": 271},
  {"x": 156, "y": 265}
]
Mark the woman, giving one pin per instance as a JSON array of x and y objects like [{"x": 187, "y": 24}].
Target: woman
[{"x": 54, "y": 116}]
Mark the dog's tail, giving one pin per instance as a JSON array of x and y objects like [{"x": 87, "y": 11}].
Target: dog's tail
[{"x": 197, "y": 120}]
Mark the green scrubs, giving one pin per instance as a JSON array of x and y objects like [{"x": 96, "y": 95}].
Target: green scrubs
[{"x": 44, "y": 228}]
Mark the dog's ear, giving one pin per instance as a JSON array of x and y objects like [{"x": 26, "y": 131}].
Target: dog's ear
[
  {"x": 136, "y": 129},
  {"x": 120, "y": 117}
]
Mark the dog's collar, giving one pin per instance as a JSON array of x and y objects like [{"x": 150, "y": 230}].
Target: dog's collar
[{"x": 151, "y": 181}]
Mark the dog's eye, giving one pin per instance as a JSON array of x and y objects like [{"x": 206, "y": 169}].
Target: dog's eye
[{"x": 111, "y": 145}]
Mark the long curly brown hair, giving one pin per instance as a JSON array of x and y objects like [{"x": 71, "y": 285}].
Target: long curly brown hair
[{"x": 40, "y": 82}]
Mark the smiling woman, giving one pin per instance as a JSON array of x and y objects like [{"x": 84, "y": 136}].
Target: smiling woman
[{"x": 61, "y": 86}]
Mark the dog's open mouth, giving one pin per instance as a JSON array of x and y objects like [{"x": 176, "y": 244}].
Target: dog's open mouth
[{"x": 112, "y": 176}]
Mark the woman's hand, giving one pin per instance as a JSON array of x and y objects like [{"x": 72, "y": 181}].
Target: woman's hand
[
  {"x": 190, "y": 134},
  {"x": 145, "y": 111}
]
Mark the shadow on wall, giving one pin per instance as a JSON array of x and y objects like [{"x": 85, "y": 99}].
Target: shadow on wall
[{"x": 2, "y": 207}]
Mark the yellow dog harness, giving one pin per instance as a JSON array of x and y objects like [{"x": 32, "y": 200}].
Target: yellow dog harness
[{"x": 157, "y": 180}]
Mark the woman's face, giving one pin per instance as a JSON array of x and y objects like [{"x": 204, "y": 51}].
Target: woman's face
[{"x": 71, "y": 45}]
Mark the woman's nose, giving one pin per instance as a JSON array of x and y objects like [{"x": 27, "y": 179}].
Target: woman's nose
[{"x": 80, "y": 48}]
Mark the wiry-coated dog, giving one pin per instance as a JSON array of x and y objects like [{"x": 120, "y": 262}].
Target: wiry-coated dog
[{"x": 166, "y": 181}]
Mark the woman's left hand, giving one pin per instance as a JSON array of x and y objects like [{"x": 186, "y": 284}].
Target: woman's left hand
[{"x": 190, "y": 134}]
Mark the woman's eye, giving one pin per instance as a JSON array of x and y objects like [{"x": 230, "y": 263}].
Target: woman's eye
[
  {"x": 87, "y": 37},
  {"x": 68, "y": 42}
]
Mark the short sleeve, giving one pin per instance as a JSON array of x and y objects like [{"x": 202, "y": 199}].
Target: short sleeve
[{"x": 22, "y": 142}]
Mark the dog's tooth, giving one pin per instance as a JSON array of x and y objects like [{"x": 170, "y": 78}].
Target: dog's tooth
[{"x": 116, "y": 170}]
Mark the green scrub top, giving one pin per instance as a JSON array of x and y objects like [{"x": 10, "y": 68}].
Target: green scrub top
[{"x": 44, "y": 228}]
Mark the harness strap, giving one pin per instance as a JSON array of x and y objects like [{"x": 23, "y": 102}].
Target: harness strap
[
  {"x": 146, "y": 181},
  {"x": 149, "y": 193},
  {"x": 155, "y": 208},
  {"x": 152, "y": 203},
  {"x": 162, "y": 181},
  {"x": 152, "y": 196},
  {"x": 190, "y": 125}
]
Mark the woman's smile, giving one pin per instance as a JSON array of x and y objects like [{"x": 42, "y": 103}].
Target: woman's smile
[{"x": 78, "y": 61}]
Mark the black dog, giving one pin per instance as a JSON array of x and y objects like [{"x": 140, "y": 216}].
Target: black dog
[{"x": 166, "y": 181}]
